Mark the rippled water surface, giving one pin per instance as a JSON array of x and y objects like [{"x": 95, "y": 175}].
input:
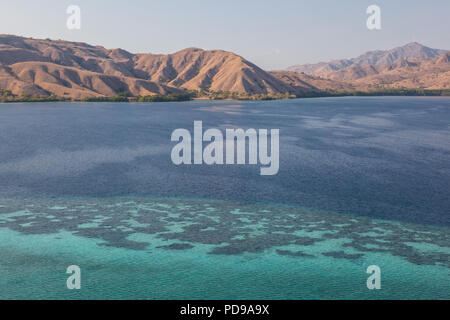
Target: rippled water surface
[{"x": 362, "y": 181}]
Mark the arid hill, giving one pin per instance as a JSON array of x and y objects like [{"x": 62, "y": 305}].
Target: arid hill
[
  {"x": 311, "y": 83},
  {"x": 77, "y": 70},
  {"x": 426, "y": 74},
  {"x": 412, "y": 66},
  {"x": 371, "y": 58},
  {"x": 216, "y": 70}
]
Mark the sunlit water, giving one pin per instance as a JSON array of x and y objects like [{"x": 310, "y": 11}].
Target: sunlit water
[{"x": 362, "y": 181}]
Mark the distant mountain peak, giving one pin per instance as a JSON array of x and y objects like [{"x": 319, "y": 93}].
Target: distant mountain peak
[
  {"x": 414, "y": 44},
  {"x": 410, "y": 50},
  {"x": 191, "y": 49}
]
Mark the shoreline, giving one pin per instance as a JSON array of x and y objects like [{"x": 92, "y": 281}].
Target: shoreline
[{"x": 227, "y": 96}]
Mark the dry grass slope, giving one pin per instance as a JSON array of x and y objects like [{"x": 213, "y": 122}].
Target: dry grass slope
[{"x": 76, "y": 70}]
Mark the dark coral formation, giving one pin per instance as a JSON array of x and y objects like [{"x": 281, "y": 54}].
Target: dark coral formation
[{"x": 230, "y": 228}]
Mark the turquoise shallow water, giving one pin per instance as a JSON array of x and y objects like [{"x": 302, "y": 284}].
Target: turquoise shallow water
[
  {"x": 93, "y": 185},
  {"x": 175, "y": 248}
]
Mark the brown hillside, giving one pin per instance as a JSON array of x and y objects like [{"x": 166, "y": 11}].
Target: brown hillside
[
  {"x": 418, "y": 74},
  {"x": 302, "y": 81},
  {"x": 216, "y": 70},
  {"x": 412, "y": 66},
  {"x": 74, "y": 83},
  {"x": 77, "y": 70}
]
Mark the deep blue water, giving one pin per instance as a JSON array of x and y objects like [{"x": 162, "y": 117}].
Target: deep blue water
[
  {"x": 362, "y": 181},
  {"x": 378, "y": 157}
]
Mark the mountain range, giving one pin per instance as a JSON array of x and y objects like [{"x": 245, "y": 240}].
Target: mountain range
[
  {"x": 413, "y": 66},
  {"x": 373, "y": 58},
  {"x": 77, "y": 70}
]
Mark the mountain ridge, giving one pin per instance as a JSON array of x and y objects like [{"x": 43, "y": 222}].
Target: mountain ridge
[
  {"x": 77, "y": 70},
  {"x": 373, "y": 57},
  {"x": 105, "y": 72},
  {"x": 412, "y": 66}
]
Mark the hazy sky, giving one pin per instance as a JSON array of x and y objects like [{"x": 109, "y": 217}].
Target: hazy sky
[{"x": 272, "y": 34}]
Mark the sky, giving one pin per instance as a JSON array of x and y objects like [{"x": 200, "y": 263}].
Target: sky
[{"x": 271, "y": 34}]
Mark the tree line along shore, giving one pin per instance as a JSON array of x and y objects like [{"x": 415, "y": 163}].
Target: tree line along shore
[{"x": 7, "y": 96}]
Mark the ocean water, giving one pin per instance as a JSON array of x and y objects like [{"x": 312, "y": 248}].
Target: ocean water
[{"x": 362, "y": 181}]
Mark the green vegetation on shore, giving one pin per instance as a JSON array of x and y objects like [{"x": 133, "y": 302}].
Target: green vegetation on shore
[
  {"x": 104, "y": 99},
  {"x": 125, "y": 97},
  {"x": 221, "y": 95},
  {"x": 391, "y": 92},
  {"x": 226, "y": 95},
  {"x": 166, "y": 98},
  {"x": 7, "y": 96}
]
